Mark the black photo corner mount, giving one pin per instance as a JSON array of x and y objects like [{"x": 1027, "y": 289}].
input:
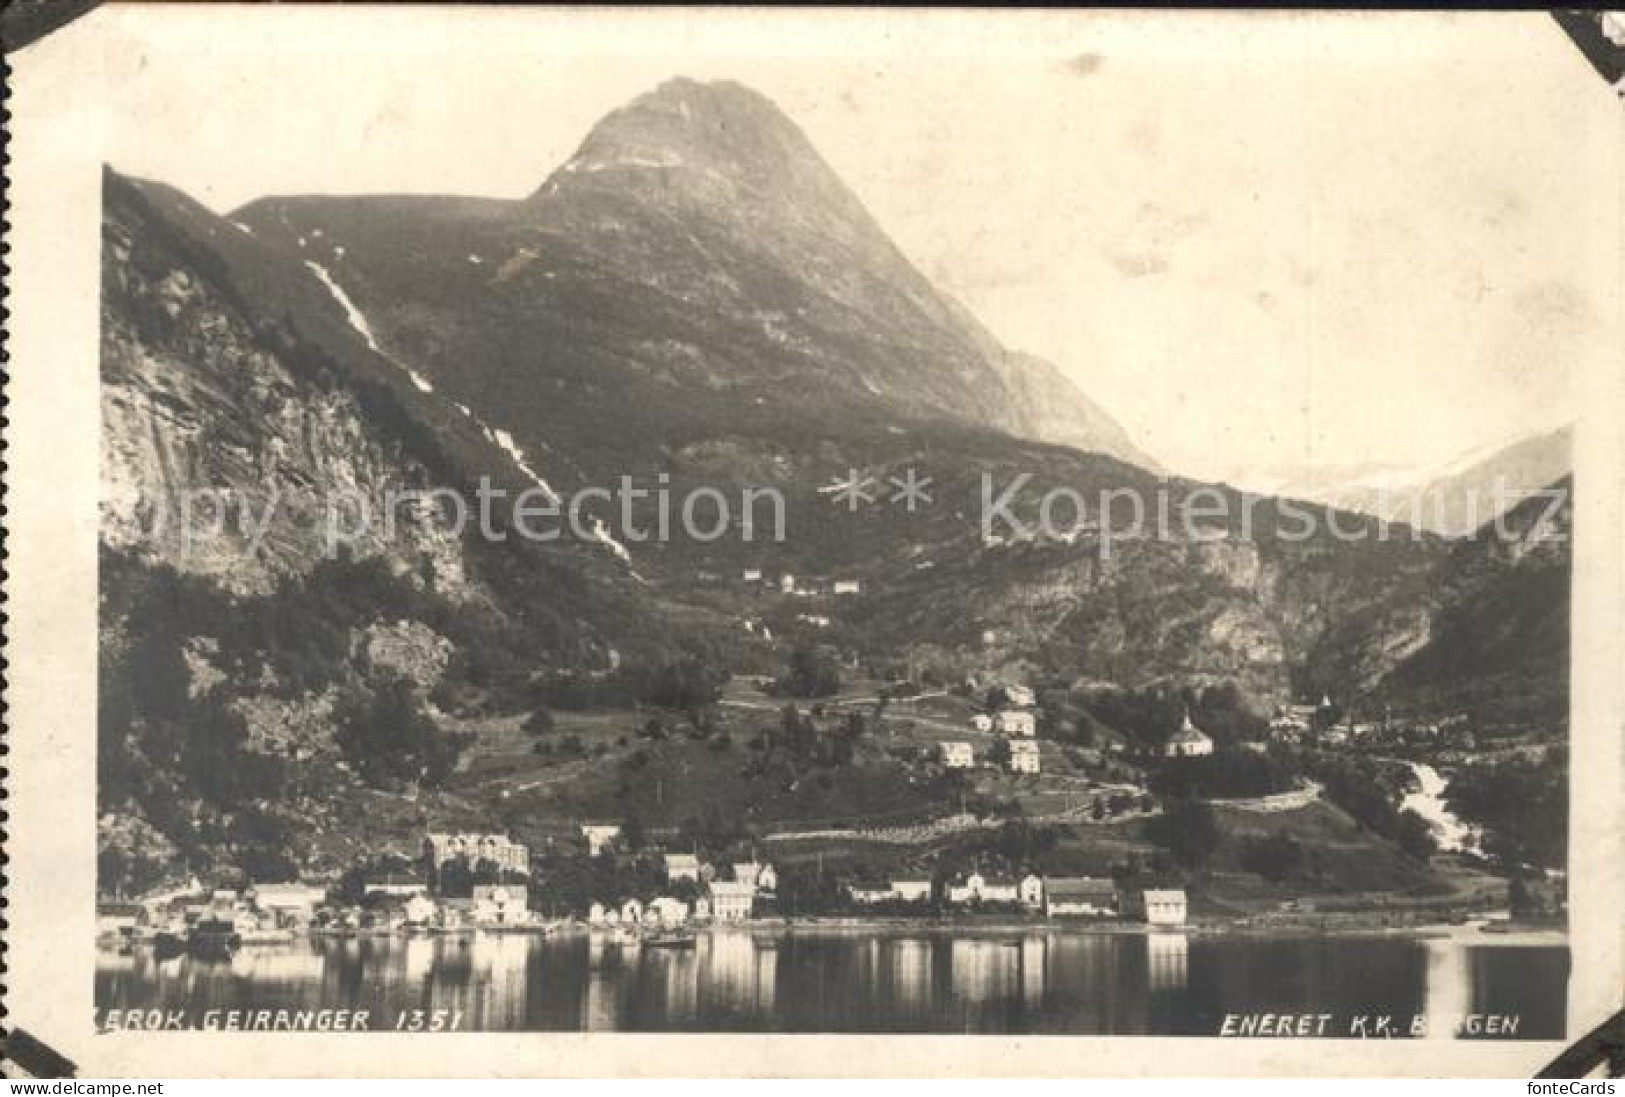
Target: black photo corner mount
[{"x": 1603, "y": 1046}]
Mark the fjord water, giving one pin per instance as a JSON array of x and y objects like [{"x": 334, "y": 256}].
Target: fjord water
[{"x": 873, "y": 981}]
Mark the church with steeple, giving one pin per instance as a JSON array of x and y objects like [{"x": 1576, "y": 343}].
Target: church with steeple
[{"x": 1189, "y": 741}]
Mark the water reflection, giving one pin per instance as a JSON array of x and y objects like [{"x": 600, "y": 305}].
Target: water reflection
[
  {"x": 920, "y": 981},
  {"x": 1033, "y": 949},
  {"x": 741, "y": 976},
  {"x": 1167, "y": 955},
  {"x": 912, "y": 975}
]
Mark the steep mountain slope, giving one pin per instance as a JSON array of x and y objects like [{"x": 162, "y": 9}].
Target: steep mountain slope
[
  {"x": 694, "y": 266},
  {"x": 1499, "y": 644},
  {"x": 1487, "y": 632},
  {"x": 258, "y": 577},
  {"x": 197, "y": 398}
]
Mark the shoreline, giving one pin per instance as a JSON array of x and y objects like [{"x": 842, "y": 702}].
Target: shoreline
[
  {"x": 1476, "y": 934},
  {"x": 1479, "y": 933}
]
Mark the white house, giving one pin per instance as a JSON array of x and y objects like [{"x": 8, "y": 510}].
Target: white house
[
  {"x": 420, "y": 910},
  {"x": 985, "y": 889},
  {"x": 1032, "y": 891},
  {"x": 1024, "y": 756},
  {"x": 957, "y": 755},
  {"x": 501, "y": 905},
  {"x": 1017, "y": 724},
  {"x": 731, "y": 900},
  {"x": 1020, "y": 696},
  {"x": 981, "y": 722},
  {"x": 753, "y": 575},
  {"x": 912, "y": 891},
  {"x": 1079, "y": 895},
  {"x": 1188, "y": 742},
  {"x": 847, "y": 586},
  {"x": 867, "y": 896},
  {"x": 787, "y": 584},
  {"x": 757, "y": 875},
  {"x": 600, "y": 836},
  {"x": 471, "y": 849},
  {"x": 1000, "y": 889},
  {"x": 631, "y": 912},
  {"x": 1288, "y": 728},
  {"x": 682, "y": 866},
  {"x": 597, "y": 914},
  {"x": 667, "y": 911},
  {"x": 295, "y": 903},
  {"x": 702, "y": 908},
  {"x": 1158, "y": 907}
]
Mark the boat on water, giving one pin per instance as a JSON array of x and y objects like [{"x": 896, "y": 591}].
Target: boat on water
[
  {"x": 213, "y": 939},
  {"x": 669, "y": 938}
]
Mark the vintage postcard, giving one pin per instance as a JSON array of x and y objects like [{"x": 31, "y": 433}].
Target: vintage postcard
[{"x": 871, "y": 537}]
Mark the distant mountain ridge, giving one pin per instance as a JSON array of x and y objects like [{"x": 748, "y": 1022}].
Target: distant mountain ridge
[{"x": 1453, "y": 500}]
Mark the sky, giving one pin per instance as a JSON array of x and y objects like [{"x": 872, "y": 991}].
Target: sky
[{"x": 1272, "y": 246}]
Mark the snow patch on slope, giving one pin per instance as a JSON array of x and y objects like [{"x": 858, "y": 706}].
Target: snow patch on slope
[
  {"x": 504, "y": 441},
  {"x": 497, "y": 437},
  {"x": 358, "y": 321}
]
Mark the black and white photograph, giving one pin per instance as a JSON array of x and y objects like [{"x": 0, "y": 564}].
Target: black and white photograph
[{"x": 861, "y": 536}]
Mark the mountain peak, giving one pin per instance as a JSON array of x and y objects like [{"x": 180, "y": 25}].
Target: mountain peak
[{"x": 714, "y": 131}]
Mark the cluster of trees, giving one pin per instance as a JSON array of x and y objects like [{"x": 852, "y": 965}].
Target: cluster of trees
[
  {"x": 455, "y": 878},
  {"x": 1014, "y": 845},
  {"x": 177, "y": 752},
  {"x": 351, "y": 886},
  {"x": 1523, "y": 806},
  {"x": 389, "y": 740},
  {"x": 798, "y": 734},
  {"x": 809, "y": 672},
  {"x": 1277, "y": 857},
  {"x": 689, "y": 684},
  {"x": 1149, "y": 715},
  {"x": 1188, "y": 830},
  {"x": 182, "y": 762},
  {"x": 1225, "y": 774},
  {"x": 1371, "y": 792}
]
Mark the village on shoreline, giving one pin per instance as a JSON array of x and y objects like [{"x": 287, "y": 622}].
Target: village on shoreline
[{"x": 484, "y": 881}]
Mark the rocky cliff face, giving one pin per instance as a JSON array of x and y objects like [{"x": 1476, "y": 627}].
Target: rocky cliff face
[
  {"x": 218, "y": 459},
  {"x": 1487, "y": 632}
]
